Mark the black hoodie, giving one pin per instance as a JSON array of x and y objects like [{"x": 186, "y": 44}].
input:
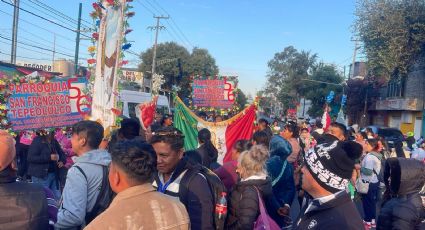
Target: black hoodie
[{"x": 402, "y": 208}]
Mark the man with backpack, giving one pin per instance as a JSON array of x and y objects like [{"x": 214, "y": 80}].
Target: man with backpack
[
  {"x": 178, "y": 177},
  {"x": 87, "y": 192}
]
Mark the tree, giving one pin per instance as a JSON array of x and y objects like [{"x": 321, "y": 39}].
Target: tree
[
  {"x": 317, "y": 92},
  {"x": 200, "y": 63},
  {"x": 180, "y": 66},
  {"x": 392, "y": 33},
  {"x": 286, "y": 73},
  {"x": 241, "y": 99},
  {"x": 171, "y": 71}
]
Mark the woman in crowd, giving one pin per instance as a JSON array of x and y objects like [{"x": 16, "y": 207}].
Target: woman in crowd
[
  {"x": 281, "y": 174},
  {"x": 370, "y": 167},
  {"x": 291, "y": 133},
  {"x": 244, "y": 202},
  {"x": 208, "y": 152},
  {"x": 261, "y": 138},
  {"x": 402, "y": 207},
  {"x": 227, "y": 172},
  {"x": 45, "y": 158}
]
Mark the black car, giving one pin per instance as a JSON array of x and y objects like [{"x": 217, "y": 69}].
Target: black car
[{"x": 392, "y": 136}]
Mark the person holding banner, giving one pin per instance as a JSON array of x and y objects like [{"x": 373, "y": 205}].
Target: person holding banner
[{"x": 45, "y": 158}]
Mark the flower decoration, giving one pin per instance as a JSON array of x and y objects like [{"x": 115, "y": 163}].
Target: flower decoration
[
  {"x": 91, "y": 61},
  {"x": 157, "y": 81},
  {"x": 129, "y": 0},
  {"x": 130, "y": 14},
  {"x": 128, "y": 31},
  {"x": 126, "y": 46},
  {"x": 111, "y": 2},
  {"x": 91, "y": 49},
  {"x": 96, "y": 6},
  {"x": 123, "y": 63},
  {"x": 116, "y": 111},
  {"x": 95, "y": 36}
]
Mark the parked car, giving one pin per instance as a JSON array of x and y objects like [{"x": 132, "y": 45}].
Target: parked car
[{"x": 393, "y": 136}]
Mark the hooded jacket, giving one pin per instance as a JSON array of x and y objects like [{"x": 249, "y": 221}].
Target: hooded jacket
[
  {"x": 243, "y": 203},
  {"x": 284, "y": 186},
  {"x": 403, "y": 208},
  {"x": 80, "y": 194}
]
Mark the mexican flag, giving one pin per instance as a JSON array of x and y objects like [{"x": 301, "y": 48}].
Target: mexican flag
[{"x": 223, "y": 134}]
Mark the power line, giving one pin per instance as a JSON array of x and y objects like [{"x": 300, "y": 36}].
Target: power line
[
  {"x": 28, "y": 58},
  {"x": 47, "y": 13},
  {"x": 59, "y": 35},
  {"x": 58, "y": 13},
  {"x": 174, "y": 22},
  {"x": 138, "y": 1},
  {"x": 46, "y": 19},
  {"x": 42, "y": 44},
  {"x": 38, "y": 47}
]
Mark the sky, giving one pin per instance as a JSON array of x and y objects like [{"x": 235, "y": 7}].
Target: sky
[{"x": 242, "y": 35}]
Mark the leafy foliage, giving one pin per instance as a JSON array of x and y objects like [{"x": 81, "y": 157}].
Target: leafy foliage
[
  {"x": 287, "y": 80},
  {"x": 317, "y": 92},
  {"x": 392, "y": 32},
  {"x": 181, "y": 67}
]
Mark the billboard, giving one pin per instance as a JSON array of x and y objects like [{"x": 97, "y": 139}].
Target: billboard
[
  {"x": 56, "y": 103},
  {"x": 105, "y": 89},
  {"x": 217, "y": 93}
]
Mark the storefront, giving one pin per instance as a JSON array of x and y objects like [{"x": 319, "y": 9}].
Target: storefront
[{"x": 405, "y": 114}]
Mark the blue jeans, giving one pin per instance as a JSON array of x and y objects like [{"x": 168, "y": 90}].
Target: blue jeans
[
  {"x": 51, "y": 182},
  {"x": 369, "y": 202}
]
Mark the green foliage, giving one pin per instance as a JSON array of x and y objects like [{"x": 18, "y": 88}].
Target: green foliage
[
  {"x": 241, "y": 99},
  {"x": 286, "y": 73},
  {"x": 392, "y": 32},
  {"x": 317, "y": 92},
  {"x": 199, "y": 62}
]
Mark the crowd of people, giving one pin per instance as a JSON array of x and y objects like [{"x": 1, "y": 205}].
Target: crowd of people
[{"x": 136, "y": 179}]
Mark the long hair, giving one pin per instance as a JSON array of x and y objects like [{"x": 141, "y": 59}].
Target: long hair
[{"x": 204, "y": 137}]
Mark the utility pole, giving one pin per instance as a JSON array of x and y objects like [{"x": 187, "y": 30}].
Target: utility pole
[
  {"x": 15, "y": 32},
  {"x": 53, "y": 53},
  {"x": 354, "y": 60},
  {"x": 77, "y": 41},
  {"x": 156, "y": 28}
]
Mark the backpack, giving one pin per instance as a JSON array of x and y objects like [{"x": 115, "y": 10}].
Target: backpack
[
  {"x": 380, "y": 175},
  {"x": 104, "y": 198},
  {"x": 215, "y": 184}
]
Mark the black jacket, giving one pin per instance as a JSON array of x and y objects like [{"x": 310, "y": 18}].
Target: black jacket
[
  {"x": 198, "y": 200},
  {"x": 22, "y": 205},
  {"x": 402, "y": 207},
  {"x": 39, "y": 156},
  {"x": 338, "y": 213},
  {"x": 243, "y": 203}
]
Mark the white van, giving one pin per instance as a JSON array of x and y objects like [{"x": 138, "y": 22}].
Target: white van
[{"x": 131, "y": 99}]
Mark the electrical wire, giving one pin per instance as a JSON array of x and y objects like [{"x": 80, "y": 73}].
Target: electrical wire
[
  {"x": 39, "y": 43},
  {"x": 60, "y": 14},
  {"x": 174, "y": 22},
  {"x": 44, "y": 18},
  {"x": 20, "y": 19},
  {"x": 55, "y": 18},
  {"x": 28, "y": 58},
  {"x": 38, "y": 47}
]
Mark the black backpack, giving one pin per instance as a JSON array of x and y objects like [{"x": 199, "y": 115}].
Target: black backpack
[
  {"x": 104, "y": 198},
  {"x": 216, "y": 187}
]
